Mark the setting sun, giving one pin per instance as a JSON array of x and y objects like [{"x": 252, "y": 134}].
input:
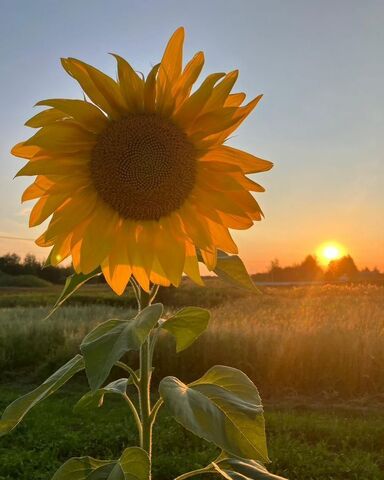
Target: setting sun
[{"x": 330, "y": 251}]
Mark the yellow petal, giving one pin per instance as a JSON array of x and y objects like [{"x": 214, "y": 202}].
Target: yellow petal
[
  {"x": 191, "y": 72},
  {"x": 45, "y": 207},
  {"x": 88, "y": 115},
  {"x": 37, "y": 189},
  {"x": 191, "y": 266},
  {"x": 239, "y": 117},
  {"x": 132, "y": 86},
  {"x": 101, "y": 89},
  {"x": 235, "y": 99},
  {"x": 221, "y": 91},
  {"x": 170, "y": 251},
  {"x": 61, "y": 250},
  {"x": 158, "y": 277},
  {"x": 63, "y": 137},
  {"x": 68, "y": 165},
  {"x": 73, "y": 213},
  {"x": 210, "y": 123},
  {"x": 209, "y": 257},
  {"x": 192, "y": 107},
  {"x": 172, "y": 61},
  {"x": 98, "y": 237},
  {"x": 221, "y": 201},
  {"x": 25, "y": 151},
  {"x": 46, "y": 117},
  {"x": 195, "y": 226},
  {"x": 247, "y": 162},
  {"x": 117, "y": 275},
  {"x": 150, "y": 90},
  {"x": 169, "y": 72},
  {"x": 221, "y": 237}
]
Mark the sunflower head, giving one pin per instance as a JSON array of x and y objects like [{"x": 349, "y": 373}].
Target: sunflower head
[{"x": 136, "y": 177}]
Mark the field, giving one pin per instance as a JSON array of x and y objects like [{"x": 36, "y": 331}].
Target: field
[{"x": 316, "y": 354}]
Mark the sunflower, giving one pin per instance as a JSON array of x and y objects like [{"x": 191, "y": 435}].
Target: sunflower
[{"x": 136, "y": 176}]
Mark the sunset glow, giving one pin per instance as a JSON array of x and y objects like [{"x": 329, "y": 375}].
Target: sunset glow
[{"x": 330, "y": 251}]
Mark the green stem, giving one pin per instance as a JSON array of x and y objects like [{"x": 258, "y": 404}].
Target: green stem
[
  {"x": 135, "y": 415},
  {"x": 144, "y": 386},
  {"x": 194, "y": 473},
  {"x": 155, "y": 409},
  {"x": 131, "y": 372}
]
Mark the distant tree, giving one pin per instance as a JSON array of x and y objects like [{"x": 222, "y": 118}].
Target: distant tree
[
  {"x": 342, "y": 267},
  {"x": 309, "y": 269},
  {"x": 10, "y": 263},
  {"x": 30, "y": 265}
]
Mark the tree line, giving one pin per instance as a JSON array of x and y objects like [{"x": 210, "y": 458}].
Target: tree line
[{"x": 343, "y": 269}]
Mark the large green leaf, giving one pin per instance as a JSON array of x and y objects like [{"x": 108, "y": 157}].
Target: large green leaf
[
  {"x": 16, "y": 411},
  {"x": 231, "y": 269},
  {"x": 84, "y": 468},
  {"x": 223, "y": 407},
  {"x": 109, "y": 341},
  {"x": 95, "y": 398},
  {"x": 72, "y": 283},
  {"x": 187, "y": 325},
  {"x": 241, "y": 469},
  {"x": 132, "y": 465}
]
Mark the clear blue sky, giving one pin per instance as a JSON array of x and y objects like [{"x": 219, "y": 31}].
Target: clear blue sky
[{"x": 321, "y": 121}]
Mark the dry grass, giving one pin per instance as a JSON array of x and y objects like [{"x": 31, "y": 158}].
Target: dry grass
[
  {"x": 323, "y": 340},
  {"x": 326, "y": 341}
]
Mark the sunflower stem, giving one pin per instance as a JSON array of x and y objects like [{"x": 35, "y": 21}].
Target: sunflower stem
[{"x": 145, "y": 385}]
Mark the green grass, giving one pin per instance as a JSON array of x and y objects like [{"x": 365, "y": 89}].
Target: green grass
[
  {"x": 30, "y": 281},
  {"x": 303, "y": 443}
]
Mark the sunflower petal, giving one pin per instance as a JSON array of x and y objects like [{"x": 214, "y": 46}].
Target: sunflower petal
[
  {"x": 63, "y": 137},
  {"x": 25, "y": 151},
  {"x": 209, "y": 258},
  {"x": 170, "y": 251},
  {"x": 171, "y": 63},
  {"x": 221, "y": 91},
  {"x": 46, "y": 117},
  {"x": 72, "y": 214},
  {"x": 98, "y": 238},
  {"x": 191, "y": 265},
  {"x": 56, "y": 166},
  {"x": 191, "y": 72},
  {"x": 193, "y": 106},
  {"x": 132, "y": 86},
  {"x": 88, "y": 115},
  {"x": 45, "y": 207},
  {"x": 247, "y": 162},
  {"x": 100, "y": 88},
  {"x": 150, "y": 90},
  {"x": 235, "y": 99},
  {"x": 61, "y": 250}
]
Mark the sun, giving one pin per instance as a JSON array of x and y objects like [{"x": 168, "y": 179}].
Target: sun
[{"x": 330, "y": 251}]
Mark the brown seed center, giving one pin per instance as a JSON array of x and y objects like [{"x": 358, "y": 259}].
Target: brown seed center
[{"x": 143, "y": 166}]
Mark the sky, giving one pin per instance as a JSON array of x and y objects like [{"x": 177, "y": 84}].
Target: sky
[{"x": 319, "y": 65}]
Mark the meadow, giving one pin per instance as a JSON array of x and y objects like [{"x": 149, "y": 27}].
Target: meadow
[{"x": 315, "y": 353}]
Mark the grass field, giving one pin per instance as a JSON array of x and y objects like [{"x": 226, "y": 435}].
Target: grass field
[
  {"x": 316, "y": 354},
  {"x": 304, "y": 443}
]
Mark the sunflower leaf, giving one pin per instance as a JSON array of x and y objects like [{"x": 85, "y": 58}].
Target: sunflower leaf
[
  {"x": 95, "y": 399},
  {"x": 231, "y": 269},
  {"x": 223, "y": 407},
  {"x": 109, "y": 341},
  {"x": 16, "y": 411},
  {"x": 84, "y": 468},
  {"x": 72, "y": 283},
  {"x": 187, "y": 325}
]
